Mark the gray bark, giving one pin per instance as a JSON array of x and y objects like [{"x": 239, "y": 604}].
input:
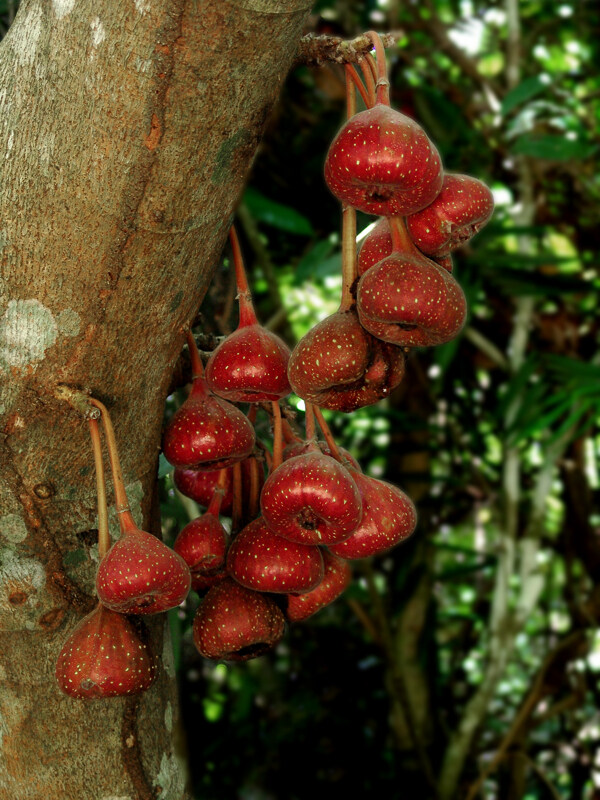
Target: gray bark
[{"x": 127, "y": 129}]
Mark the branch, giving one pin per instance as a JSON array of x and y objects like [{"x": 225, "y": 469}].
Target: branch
[{"x": 315, "y": 50}]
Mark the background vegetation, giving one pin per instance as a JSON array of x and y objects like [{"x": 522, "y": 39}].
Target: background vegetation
[{"x": 464, "y": 664}]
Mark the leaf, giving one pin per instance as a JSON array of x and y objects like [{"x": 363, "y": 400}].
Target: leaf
[
  {"x": 529, "y": 88},
  {"x": 163, "y": 466},
  {"x": 276, "y": 214},
  {"x": 310, "y": 261},
  {"x": 553, "y": 148},
  {"x": 517, "y": 385}
]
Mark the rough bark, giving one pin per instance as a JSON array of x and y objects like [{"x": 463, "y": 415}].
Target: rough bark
[{"x": 126, "y": 132}]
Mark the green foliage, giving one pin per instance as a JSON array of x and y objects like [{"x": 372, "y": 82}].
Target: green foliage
[{"x": 444, "y": 435}]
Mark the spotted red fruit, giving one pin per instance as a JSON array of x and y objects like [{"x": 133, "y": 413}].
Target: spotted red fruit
[
  {"x": 234, "y": 623},
  {"x": 389, "y": 517},
  {"x": 336, "y": 580},
  {"x": 377, "y": 245},
  {"x": 207, "y": 432},
  {"x": 340, "y": 366},
  {"x": 461, "y": 209},
  {"x": 202, "y": 544},
  {"x": 141, "y": 575},
  {"x": 409, "y": 300},
  {"x": 104, "y": 657},
  {"x": 250, "y": 365},
  {"x": 382, "y": 162},
  {"x": 260, "y": 559},
  {"x": 311, "y": 499}
]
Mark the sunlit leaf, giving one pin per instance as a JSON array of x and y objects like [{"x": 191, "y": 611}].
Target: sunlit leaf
[
  {"x": 527, "y": 89},
  {"x": 553, "y": 148}
]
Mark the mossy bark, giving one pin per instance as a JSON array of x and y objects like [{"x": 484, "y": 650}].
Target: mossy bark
[{"x": 126, "y": 133}]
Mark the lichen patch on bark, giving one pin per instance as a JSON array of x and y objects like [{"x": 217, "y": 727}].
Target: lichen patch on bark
[
  {"x": 27, "y": 329},
  {"x": 13, "y": 528}
]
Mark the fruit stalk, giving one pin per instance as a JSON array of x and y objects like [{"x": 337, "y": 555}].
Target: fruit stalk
[
  {"x": 244, "y": 296},
  {"x": 333, "y": 448},
  {"x": 277, "y": 435},
  {"x": 126, "y": 521},
  {"x": 103, "y": 535},
  {"x": 196, "y": 361},
  {"x": 383, "y": 84}
]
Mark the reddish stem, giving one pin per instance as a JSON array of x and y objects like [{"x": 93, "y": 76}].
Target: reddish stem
[
  {"x": 247, "y": 313},
  {"x": 288, "y": 432},
  {"x": 333, "y": 448},
  {"x": 349, "y": 264},
  {"x": 126, "y": 521},
  {"x": 383, "y": 84},
  {"x": 214, "y": 506},
  {"x": 353, "y": 78},
  {"x": 309, "y": 422},
  {"x": 254, "y": 499},
  {"x": 401, "y": 241},
  {"x": 197, "y": 365},
  {"x": 277, "y": 435},
  {"x": 236, "y": 513},
  {"x": 103, "y": 535},
  {"x": 369, "y": 71}
]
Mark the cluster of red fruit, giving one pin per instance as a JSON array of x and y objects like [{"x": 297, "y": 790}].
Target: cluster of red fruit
[{"x": 295, "y": 529}]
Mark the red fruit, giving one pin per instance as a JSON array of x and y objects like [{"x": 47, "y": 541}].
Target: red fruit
[
  {"x": 336, "y": 579},
  {"x": 260, "y": 559},
  {"x": 202, "y": 544},
  {"x": 377, "y": 245},
  {"x": 207, "y": 432},
  {"x": 381, "y": 162},
  {"x": 460, "y": 210},
  {"x": 235, "y": 624},
  {"x": 250, "y": 365},
  {"x": 199, "y": 485},
  {"x": 141, "y": 575},
  {"x": 389, "y": 517},
  {"x": 104, "y": 657},
  {"x": 410, "y": 301},
  {"x": 340, "y": 366},
  {"x": 311, "y": 499}
]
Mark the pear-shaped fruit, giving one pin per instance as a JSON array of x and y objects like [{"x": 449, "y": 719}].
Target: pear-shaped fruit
[
  {"x": 104, "y": 657},
  {"x": 409, "y": 300},
  {"x": 311, "y": 499},
  {"x": 340, "y": 366},
  {"x": 141, "y": 575},
  {"x": 202, "y": 544},
  {"x": 389, "y": 517},
  {"x": 250, "y": 365},
  {"x": 260, "y": 559},
  {"x": 234, "y": 623},
  {"x": 207, "y": 432},
  {"x": 382, "y": 162},
  {"x": 461, "y": 209}
]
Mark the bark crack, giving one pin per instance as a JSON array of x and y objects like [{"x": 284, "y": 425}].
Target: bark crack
[
  {"x": 131, "y": 754},
  {"x": 51, "y": 555},
  {"x": 165, "y": 60}
]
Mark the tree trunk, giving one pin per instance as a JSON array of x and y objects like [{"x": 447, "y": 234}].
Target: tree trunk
[{"x": 127, "y": 128}]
